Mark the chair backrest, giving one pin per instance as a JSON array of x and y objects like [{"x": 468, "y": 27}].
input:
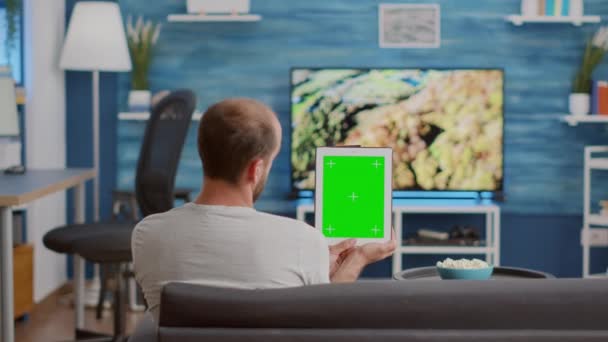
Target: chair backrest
[{"x": 161, "y": 150}]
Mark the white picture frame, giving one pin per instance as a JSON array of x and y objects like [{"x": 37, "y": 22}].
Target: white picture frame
[{"x": 409, "y": 25}]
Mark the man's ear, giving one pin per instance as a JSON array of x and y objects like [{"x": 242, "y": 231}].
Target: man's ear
[{"x": 255, "y": 170}]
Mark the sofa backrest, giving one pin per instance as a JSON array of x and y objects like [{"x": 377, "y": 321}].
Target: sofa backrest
[{"x": 558, "y": 304}]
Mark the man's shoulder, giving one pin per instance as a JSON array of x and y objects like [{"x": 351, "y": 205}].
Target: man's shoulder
[
  {"x": 290, "y": 225},
  {"x": 162, "y": 220}
]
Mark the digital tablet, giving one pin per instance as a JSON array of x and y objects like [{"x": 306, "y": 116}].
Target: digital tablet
[{"x": 353, "y": 193}]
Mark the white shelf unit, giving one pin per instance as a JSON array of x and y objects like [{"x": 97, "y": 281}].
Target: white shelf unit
[
  {"x": 574, "y": 120},
  {"x": 491, "y": 211},
  {"x": 591, "y": 220},
  {"x": 191, "y": 18},
  {"x": 144, "y": 116},
  {"x": 519, "y": 20}
]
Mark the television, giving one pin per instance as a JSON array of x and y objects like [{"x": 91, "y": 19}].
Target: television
[{"x": 445, "y": 126}]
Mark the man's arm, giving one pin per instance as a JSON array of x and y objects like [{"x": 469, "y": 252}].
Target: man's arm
[{"x": 350, "y": 263}]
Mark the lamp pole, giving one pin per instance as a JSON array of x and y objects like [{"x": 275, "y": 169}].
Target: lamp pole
[{"x": 96, "y": 145}]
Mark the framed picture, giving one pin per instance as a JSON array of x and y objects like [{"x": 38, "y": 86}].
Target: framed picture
[{"x": 410, "y": 25}]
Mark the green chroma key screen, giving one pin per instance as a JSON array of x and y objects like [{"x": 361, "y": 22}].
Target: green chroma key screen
[{"x": 353, "y": 197}]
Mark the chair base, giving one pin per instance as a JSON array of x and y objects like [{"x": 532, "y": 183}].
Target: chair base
[{"x": 92, "y": 336}]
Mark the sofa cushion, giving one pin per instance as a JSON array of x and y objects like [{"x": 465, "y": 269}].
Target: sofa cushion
[{"x": 362, "y": 335}]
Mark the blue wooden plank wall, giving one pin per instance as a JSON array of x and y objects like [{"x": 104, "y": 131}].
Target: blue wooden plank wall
[{"x": 543, "y": 157}]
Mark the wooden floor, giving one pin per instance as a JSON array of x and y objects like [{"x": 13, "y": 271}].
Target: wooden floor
[{"x": 53, "y": 320}]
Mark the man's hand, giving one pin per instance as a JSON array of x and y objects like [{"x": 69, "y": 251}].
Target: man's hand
[
  {"x": 337, "y": 254},
  {"x": 372, "y": 252},
  {"x": 350, "y": 261}
]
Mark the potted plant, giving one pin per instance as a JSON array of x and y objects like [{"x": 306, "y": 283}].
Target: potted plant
[
  {"x": 13, "y": 9},
  {"x": 594, "y": 53},
  {"x": 141, "y": 38}
]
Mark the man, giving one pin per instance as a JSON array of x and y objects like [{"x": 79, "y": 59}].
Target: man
[{"x": 219, "y": 239}]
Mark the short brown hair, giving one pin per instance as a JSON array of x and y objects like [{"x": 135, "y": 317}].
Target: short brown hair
[{"x": 231, "y": 134}]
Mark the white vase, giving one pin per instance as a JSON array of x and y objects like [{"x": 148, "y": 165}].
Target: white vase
[
  {"x": 217, "y": 6},
  {"x": 576, "y": 8},
  {"x": 579, "y": 104},
  {"x": 139, "y": 100},
  {"x": 529, "y": 8}
]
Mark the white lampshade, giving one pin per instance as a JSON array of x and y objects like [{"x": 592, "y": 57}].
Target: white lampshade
[{"x": 96, "y": 39}]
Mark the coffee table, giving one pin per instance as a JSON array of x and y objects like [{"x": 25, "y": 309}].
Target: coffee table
[{"x": 430, "y": 273}]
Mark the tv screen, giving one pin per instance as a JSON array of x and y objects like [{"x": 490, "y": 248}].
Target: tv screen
[{"x": 445, "y": 126}]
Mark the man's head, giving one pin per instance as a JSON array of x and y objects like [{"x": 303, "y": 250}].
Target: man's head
[{"x": 237, "y": 141}]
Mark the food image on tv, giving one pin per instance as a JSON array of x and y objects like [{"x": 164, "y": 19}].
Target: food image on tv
[{"x": 445, "y": 126}]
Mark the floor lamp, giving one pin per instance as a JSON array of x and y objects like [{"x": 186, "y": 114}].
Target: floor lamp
[{"x": 95, "y": 41}]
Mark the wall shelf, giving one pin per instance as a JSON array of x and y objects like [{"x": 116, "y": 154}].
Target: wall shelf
[
  {"x": 519, "y": 20},
  {"x": 144, "y": 116},
  {"x": 190, "y": 18},
  {"x": 574, "y": 120}
]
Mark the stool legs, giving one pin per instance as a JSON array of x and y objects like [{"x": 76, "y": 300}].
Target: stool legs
[
  {"x": 104, "y": 272},
  {"x": 120, "y": 305}
]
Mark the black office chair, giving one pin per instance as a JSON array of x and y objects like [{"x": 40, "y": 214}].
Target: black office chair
[{"x": 110, "y": 243}]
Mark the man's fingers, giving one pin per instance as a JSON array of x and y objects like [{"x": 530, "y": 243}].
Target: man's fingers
[{"x": 342, "y": 246}]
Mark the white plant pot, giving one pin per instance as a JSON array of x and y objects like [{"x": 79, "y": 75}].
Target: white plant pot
[
  {"x": 139, "y": 100},
  {"x": 217, "y": 6},
  {"x": 579, "y": 104},
  {"x": 576, "y": 8}
]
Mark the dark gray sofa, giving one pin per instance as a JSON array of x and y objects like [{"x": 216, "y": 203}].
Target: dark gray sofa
[{"x": 496, "y": 310}]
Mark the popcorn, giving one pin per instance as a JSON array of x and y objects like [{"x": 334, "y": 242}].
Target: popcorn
[{"x": 465, "y": 264}]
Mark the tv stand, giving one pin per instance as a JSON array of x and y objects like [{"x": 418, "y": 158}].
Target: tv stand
[{"x": 490, "y": 250}]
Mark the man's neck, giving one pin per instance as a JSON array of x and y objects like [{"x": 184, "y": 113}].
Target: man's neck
[{"x": 219, "y": 192}]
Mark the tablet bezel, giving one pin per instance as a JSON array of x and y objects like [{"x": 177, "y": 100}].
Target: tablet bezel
[{"x": 385, "y": 152}]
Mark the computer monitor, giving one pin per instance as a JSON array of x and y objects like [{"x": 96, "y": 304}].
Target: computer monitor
[{"x": 9, "y": 120}]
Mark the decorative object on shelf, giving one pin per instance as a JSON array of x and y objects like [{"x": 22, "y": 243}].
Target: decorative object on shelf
[
  {"x": 594, "y": 53},
  {"x": 13, "y": 11},
  {"x": 529, "y": 8},
  {"x": 220, "y": 7},
  {"x": 142, "y": 38},
  {"x": 557, "y": 8},
  {"x": 410, "y": 25},
  {"x": 576, "y": 8},
  {"x": 604, "y": 208},
  {"x": 599, "y": 97}
]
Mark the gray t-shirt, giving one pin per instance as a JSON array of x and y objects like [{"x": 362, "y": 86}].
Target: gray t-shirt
[{"x": 222, "y": 246}]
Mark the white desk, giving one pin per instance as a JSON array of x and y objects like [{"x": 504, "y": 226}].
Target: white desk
[{"x": 17, "y": 190}]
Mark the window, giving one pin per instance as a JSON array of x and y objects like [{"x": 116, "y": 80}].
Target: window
[{"x": 15, "y": 53}]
